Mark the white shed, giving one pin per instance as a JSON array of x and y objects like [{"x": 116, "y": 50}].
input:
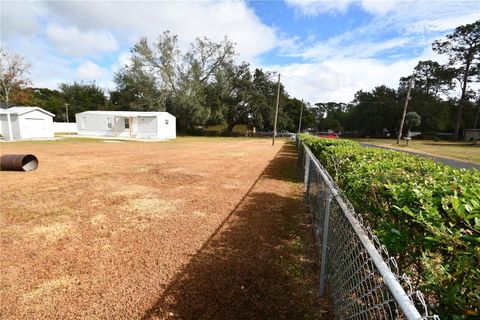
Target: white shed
[
  {"x": 26, "y": 123},
  {"x": 127, "y": 124}
]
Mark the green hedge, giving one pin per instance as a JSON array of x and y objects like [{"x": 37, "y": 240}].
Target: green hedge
[{"x": 425, "y": 213}]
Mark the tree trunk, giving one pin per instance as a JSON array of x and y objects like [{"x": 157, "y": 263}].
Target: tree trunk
[
  {"x": 230, "y": 126},
  {"x": 462, "y": 100},
  {"x": 459, "y": 120}
]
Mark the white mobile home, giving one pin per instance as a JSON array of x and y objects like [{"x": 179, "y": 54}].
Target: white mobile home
[
  {"x": 127, "y": 124},
  {"x": 471, "y": 134},
  {"x": 26, "y": 123}
]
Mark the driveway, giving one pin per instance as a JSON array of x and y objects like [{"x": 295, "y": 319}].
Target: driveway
[{"x": 449, "y": 162}]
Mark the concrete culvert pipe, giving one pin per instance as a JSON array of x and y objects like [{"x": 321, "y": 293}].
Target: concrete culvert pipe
[{"x": 18, "y": 162}]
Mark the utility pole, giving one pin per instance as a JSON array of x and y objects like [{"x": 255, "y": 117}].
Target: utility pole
[
  {"x": 300, "y": 121},
  {"x": 410, "y": 84},
  {"x": 66, "y": 111},
  {"x": 276, "y": 112}
]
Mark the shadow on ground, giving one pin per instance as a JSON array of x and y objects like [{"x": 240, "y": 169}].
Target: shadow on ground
[{"x": 259, "y": 265}]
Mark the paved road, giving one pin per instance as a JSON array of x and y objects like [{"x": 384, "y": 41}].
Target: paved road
[{"x": 450, "y": 162}]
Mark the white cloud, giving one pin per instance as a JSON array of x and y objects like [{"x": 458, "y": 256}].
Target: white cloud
[
  {"x": 338, "y": 79},
  {"x": 382, "y": 7},
  {"x": 69, "y": 41},
  {"x": 73, "y": 42},
  {"x": 336, "y": 47},
  {"x": 90, "y": 71},
  {"x": 86, "y": 32},
  {"x": 368, "y": 56},
  {"x": 378, "y": 7},
  {"x": 215, "y": 20},
  {"x": 443, "y": 24},
  {"x": 316, "y": 7},
  {"x": 20, "y": 18}
]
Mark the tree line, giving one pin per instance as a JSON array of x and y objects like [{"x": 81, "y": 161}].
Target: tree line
[
  {"x": 435, "y": 105},
  {"x": 205, "y": 86}
]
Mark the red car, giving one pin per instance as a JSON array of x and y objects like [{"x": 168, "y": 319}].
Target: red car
[{"x": 331, "y": 135}]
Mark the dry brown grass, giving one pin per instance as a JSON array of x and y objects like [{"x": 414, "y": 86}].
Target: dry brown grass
[{"x": 100, "y": 230}]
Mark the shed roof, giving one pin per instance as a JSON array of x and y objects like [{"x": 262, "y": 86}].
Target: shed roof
[
  {"x": 18, "y": 110},
  {"x": 127, "y": 114}
]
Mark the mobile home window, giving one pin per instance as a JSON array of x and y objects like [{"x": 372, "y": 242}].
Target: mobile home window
[
  {"x": 109, "y": 123},
  {"x": 127, "y": 123},
  {"x": 84, "y": 122}
]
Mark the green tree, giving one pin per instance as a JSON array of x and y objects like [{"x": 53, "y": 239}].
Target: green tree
[
  {"x": 331, "y": 116},
  {"x": 463, "y": 50},
  {"x": 373, "y": 112},
  {"x": 137, "y": 90},
  {"x": 236, "y": 94},
  {"x": 52, "y": 101},
  {"x": 291, "y": 109},
  {"x": 431, "y": 78},
  {"x": 264, "y": 97},
  {"x": 82, "y": 96},
  {"x": 162, "y": 77},
  {"x": 412, "y": 120}
]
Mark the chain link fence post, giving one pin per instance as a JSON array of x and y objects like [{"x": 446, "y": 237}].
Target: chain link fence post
[{"x": 323, "y": 267}]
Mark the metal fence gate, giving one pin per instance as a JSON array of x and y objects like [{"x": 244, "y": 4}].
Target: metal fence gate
[{"x": 363, "y": 281}]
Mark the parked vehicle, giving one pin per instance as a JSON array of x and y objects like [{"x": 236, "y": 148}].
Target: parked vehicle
[
  {"x": 263, "y": 133},
  {"x": 284, "y": 133},
  {"x": 330, "y": 135}
]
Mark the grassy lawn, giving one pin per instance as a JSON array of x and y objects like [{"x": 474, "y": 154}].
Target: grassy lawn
[{"x": 447, "y": 149}]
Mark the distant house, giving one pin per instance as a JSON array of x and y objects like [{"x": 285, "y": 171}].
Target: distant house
[
  {"x": 127, "y": 124},
  {"x": 241, "y": 129},
  {"x": 471, "y": 134},
  {"x": 26, "y": 123}
]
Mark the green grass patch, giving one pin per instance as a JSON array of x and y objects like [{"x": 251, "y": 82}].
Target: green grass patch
[{"x": 463, "y": 151}]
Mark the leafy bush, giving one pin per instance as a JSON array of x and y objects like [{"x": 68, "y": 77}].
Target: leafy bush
[{"x": 425, "y": 213}]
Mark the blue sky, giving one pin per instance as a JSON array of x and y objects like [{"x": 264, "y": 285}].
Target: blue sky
[{"x": 325, "y": 50}]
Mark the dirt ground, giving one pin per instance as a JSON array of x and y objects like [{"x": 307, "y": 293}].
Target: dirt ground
[{"x": 195, "y": 228}]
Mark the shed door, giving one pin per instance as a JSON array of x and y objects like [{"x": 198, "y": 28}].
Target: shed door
[{"x": 33, "y": 128}]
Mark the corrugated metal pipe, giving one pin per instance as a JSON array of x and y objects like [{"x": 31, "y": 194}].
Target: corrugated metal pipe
[{"x": 18, "y": 162}]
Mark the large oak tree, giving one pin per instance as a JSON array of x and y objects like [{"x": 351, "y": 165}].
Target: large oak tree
[{"x": 463, "y": 50}]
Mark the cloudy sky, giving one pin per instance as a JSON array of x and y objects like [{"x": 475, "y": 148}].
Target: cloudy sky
[{"x": 324, "y": 50}]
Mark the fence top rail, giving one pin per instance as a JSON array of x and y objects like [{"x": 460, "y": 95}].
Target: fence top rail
[{"x": 365, "y": 236}]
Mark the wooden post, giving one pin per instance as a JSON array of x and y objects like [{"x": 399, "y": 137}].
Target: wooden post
[
  {"x": 300, "y": 122},
  {"x": 405, "y": 108},
  {"x": 276, "y": 112}
]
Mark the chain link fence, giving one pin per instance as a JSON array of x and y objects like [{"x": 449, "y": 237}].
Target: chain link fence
[{"x": 363, "y": 281}]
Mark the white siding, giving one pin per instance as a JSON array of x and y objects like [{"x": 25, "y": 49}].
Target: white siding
[
  {"x": 471, "y": 135},
  {"x": 167, "y": 126},
  {"x": 147, "y": 127},
  {"x": 94, "y": 125},
  {"x": 144, "y": 125},
  {"x": 4, "y": 124},
  {"x": 35, "y": 124}
]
